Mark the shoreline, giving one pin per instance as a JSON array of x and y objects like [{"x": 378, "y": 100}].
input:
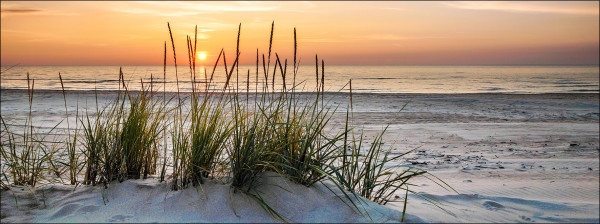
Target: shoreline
[{"x": 11, "y": 90}]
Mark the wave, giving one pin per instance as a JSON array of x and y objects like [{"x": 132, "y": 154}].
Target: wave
[
  {"x": 577, "y": 86},
  {"x": 492, "y": 89},
  {"x": 92, "y": 82},
  {"x": 378, "y": 78},
  {"x": 585, "y": 90}
]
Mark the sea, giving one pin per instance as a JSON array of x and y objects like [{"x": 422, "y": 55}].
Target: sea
[{"x": 337, "y": 78}]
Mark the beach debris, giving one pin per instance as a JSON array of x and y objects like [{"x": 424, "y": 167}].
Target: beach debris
[{"x": 417, "y": 163}]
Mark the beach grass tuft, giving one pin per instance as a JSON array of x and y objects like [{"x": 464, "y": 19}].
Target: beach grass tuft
[{"x": 26, "y": 156}]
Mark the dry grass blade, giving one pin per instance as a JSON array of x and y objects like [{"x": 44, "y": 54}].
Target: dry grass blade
[
  {"x": 165, "y": 72},
  {"x": 278, "y": 62},
  {"x": 71, "y": 145},
  {"x": 174, "y": 60},
  {"x": 256, "y": 79},
  {"x": 270, "y": 44},
  {"x": 317, "y": 71},
  {"x": 266, "y": 86},
  {"x": 215, "y": 66},
  {"x": 284, "y": 73},
  {"x": 225, "y": 64},
  {"x": 351, "y": 107},
  {"x": 247, "y": 86},
  {"x": 273, "y": 75},
  {"x": 195, "y": 43},
  {"x": 190, "y": 55},
  {"x": 205, "y": 81},
  {"x": 237, "y": 53},
  {"x": 230, "y": 71},
  {"x": 237, "y": 46},
  {"x": 295, "y": 48},
  {"x": 322, "y": 77}
]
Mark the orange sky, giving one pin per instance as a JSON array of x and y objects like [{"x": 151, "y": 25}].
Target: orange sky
[{"x": 405, "y": 33}]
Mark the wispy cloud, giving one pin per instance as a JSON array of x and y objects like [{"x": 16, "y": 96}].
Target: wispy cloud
[
  {"x": 25, "y": 11},
  {"x": 14, "y": 8},
  {"x": 586, "y": 8},
  {"x": 18, "y": 11},
  {"x": 9, "y": 11},
  {"x": 199, "y": 36}
]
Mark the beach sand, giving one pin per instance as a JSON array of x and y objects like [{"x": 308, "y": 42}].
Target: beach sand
[{"x": 512, "y": 158}]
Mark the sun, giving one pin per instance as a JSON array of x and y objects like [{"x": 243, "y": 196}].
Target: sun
[{"x": 201, "y": 55}]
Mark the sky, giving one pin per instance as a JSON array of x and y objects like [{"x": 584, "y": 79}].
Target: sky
[{"x": 341, "y": 33}]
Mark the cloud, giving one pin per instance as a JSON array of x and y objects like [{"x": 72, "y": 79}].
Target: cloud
[
  {"x": 21, "y": 10},
  {"x": 199, "y": 36},
  {"x": 8, "y": 10},
  {"x": 584, "y": 8}
]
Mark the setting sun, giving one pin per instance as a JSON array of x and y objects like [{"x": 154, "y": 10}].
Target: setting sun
[{"x": 201, "y": 55}]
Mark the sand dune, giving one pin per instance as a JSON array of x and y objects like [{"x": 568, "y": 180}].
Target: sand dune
[{"x": 149, "y": 201}]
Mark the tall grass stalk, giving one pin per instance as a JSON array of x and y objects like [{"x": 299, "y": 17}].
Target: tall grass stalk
[{"x": 71, "y": 143}]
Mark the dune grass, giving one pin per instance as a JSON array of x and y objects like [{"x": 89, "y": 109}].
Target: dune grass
[
  {"x": 28, "y": 156},
  {"x": 215, "y": 134},
  {"x": 122, "y": 140}
]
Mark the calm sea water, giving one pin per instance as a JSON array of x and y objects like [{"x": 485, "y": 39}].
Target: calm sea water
[{"x": 369, "y": 79}]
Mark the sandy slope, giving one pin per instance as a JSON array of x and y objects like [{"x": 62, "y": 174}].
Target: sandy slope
[
  {"x": 512, "y": 158},
  {"x": 148, "y": 201}
]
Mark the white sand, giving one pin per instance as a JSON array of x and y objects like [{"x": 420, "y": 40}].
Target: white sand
[
  {"x": 512, "y": 158},
  {"x": 147, "y": 201}
]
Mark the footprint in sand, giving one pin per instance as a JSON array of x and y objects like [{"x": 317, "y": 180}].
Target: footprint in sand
[{"x": 492, "y": 206}]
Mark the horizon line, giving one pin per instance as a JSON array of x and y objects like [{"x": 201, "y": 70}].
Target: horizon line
[{"x": 210, "y": 65}]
